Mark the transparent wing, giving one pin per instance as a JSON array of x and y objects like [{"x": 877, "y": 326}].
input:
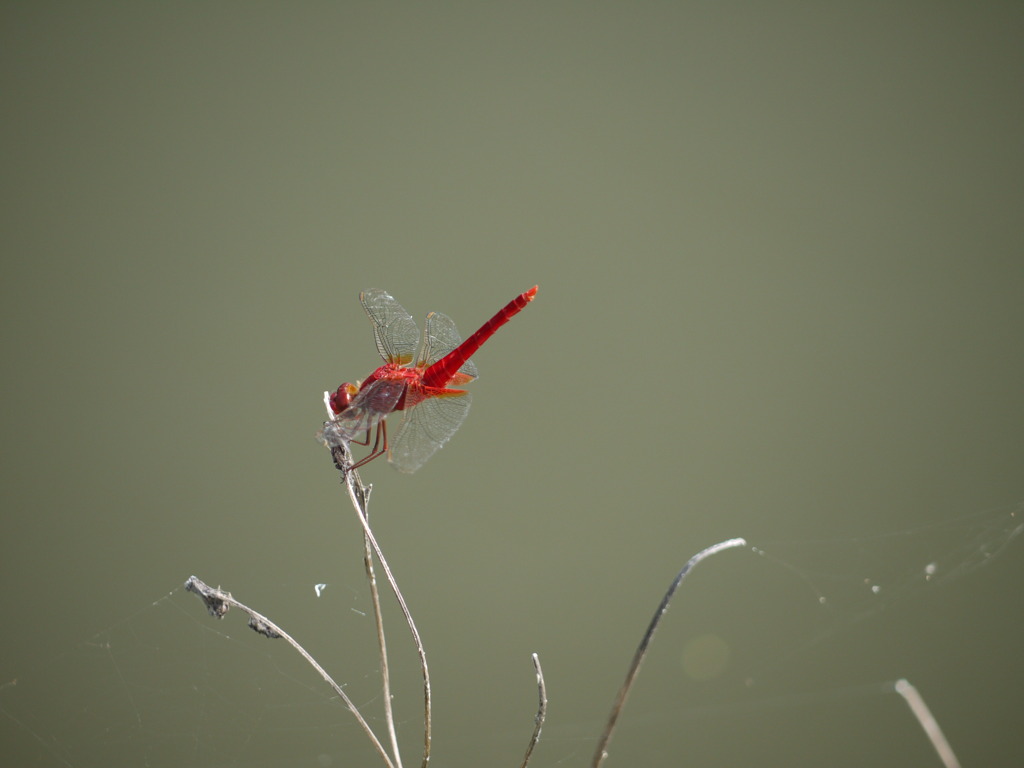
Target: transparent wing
[
  {"x": 394, "y": 330},
  {"x": 439, "y": 338},
  {"x": 426, "y": 428},
  {"x": 373, "y": 403}
]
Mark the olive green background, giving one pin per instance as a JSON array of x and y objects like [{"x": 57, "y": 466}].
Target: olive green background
[{"x": 779, "y": 250}]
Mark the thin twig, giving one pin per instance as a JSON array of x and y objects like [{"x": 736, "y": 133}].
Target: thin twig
[
  {"x": 542, "y": 709},
  {"x": 385, "y": 669},
  {"x": 928, "y": 722},
  {"x": 358, "y": 493},
  {"x": 218, "y": 601},
  {"x": 641, "y": 651}
]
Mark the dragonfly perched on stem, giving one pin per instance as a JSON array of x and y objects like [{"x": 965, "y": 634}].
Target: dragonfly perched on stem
[{"x": 422, "y": 384}]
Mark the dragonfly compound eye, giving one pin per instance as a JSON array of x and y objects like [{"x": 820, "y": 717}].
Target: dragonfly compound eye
[{"x": 341, "y": 399}]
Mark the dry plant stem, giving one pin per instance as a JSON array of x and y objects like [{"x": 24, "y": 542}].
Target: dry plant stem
[
  {"x": 928, "y": 722},
  {"x": 542, "y": 708},
  {"x": 385, "y": 674},
  {"x": 217, "y": 603},
  {"x": 359, "y": 493},
  {"x": 641, "y": 651}
]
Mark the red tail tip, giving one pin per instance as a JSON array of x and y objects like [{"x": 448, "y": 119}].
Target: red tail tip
[{"x": 530, "y": 293}]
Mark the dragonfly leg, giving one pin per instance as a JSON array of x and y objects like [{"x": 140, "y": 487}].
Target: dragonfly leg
[
  {"x": 380, "y": 444},
  {"x": 364, "y": 441}
]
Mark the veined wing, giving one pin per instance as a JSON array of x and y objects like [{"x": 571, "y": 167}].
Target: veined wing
[
  {"x": 426, "y": 428},
  {"x": 440, "y": 337},
  {"x": 394, "y": 330},
  {"x": 373, "y": 403}
]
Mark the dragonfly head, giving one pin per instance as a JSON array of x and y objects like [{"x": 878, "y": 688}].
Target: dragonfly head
[{"x": 341, "y": 399}]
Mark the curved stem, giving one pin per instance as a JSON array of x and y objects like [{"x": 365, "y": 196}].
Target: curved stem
[
  {"x": 217, "y": 603},
  {"x": 359, "y": 495},
  {"x": 645, "y": 641},
  {"x": 385, "y": 671},
  {"x": 542, "y": 709}
]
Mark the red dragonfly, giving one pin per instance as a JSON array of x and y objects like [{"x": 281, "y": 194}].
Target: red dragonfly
[{"x": 422, "y": 390}]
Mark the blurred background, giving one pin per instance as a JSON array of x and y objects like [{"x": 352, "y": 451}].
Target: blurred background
[{"x": 779, "y": 250}]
